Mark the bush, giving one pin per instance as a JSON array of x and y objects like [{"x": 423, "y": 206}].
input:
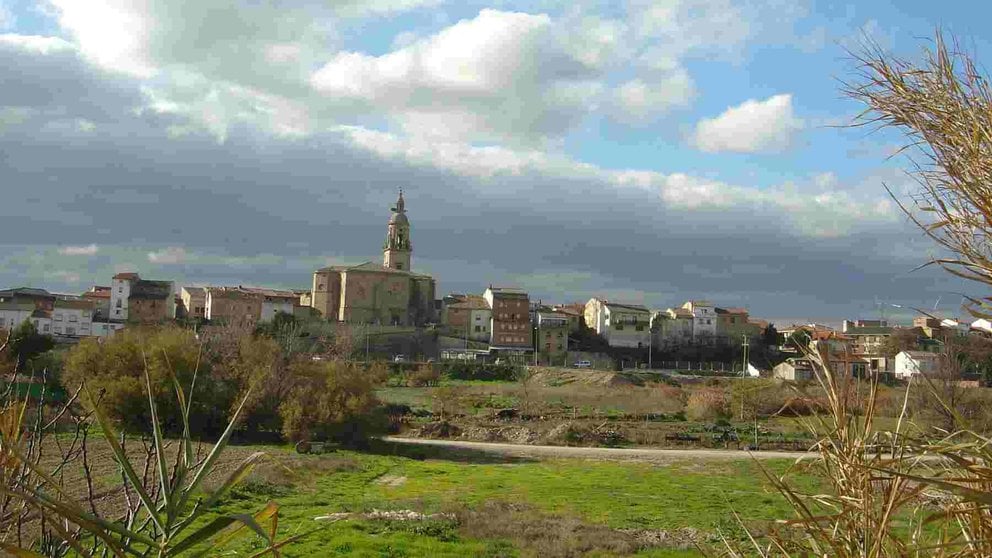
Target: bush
[
  {"x": 480, "y": 371},
  {"x": 333, "y": 401},
  {"x": 114, "y": 368},
  {"x": 708, "y": 404},
  {"x": 426, "y": 375}
]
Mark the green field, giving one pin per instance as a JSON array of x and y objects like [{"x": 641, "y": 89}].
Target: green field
[{"x": 505, "y": 508}]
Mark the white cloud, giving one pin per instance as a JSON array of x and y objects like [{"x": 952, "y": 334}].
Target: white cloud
[
  {"x": 88, "y": 250},
  {"x": 501, "y": 76},
  {"x": 476, "y": 56},
  {"x": 638, "y": 98},
  {"x": 35, "y": 43},
  {"x": 751, "y": 127},
  {"x": 170, "y": 255}
]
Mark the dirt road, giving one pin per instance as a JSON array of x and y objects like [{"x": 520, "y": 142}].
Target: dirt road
[{"x": 635, "y": 454}]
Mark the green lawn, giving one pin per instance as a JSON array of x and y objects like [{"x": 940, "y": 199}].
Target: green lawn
[{"x": 601, "y": 495}]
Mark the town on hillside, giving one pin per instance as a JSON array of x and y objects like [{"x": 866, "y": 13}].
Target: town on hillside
[{"x": 501, "y": 323}]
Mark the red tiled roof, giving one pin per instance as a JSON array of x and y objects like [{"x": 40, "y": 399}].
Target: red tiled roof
[{"x": 126, "y": 275}]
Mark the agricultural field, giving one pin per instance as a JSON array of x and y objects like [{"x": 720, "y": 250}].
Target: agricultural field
[{"x": 557, "y": 406}]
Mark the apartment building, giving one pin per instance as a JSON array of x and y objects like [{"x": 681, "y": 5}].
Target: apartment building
[
  {"x": 510, "y": 324},
  {"x": 622, "y": 325},
  {"x": 137, "y": 300},
  {"x": 194, "y": 302}
]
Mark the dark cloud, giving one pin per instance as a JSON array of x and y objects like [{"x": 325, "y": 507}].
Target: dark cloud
[{"x": 258, "y": 209}]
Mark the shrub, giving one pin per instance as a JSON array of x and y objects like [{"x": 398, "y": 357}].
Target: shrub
[
  {"x": 460, "y": 370},
  {"x": 707, "y": 404},
  {"x": 426, "y": 375},
  {"x": 114, "y": 368},
  {"x": 333, "y": 401}
]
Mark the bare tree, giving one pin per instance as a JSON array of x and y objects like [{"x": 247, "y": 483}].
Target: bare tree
[{"x": 944, "y": 107}]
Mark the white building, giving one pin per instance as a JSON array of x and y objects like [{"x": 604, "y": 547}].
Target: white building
[
  {"x": 671, "y": 328},
  {"x": 274, "y": 301},
  {"x": 704, "y": 319},
  {"x": 13, "y": 314},
  {"x": 911, "y": 363},
  {"x": 73, "y": 317},
  {"x": 119, "y": 294},
  {"x": 622, "y": 325}
]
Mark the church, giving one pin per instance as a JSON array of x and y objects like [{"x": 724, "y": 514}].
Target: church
[{"x": 387, "y": 294}]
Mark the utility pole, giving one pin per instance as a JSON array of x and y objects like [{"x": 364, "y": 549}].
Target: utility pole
[{"x": 650, "y": 345}]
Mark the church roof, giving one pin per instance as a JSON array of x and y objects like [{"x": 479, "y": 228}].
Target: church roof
[{"x": 371, "y": 267}]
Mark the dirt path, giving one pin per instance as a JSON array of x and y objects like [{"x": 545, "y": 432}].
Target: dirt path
[{"x": 637, "y": 454}]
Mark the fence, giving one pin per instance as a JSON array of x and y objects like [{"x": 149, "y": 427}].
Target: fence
[{"x": 689, "y": 366}]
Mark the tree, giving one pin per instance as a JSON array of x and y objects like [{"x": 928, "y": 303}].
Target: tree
[
  {"x": 26, "y": 343},
  {"x": 332, "y": 400},
  {"x": 115, "y": 369},
  {"x": 900, "y": 340},
  {"x": 944, "y": 107},
  {"x": 770, "y": 336}
]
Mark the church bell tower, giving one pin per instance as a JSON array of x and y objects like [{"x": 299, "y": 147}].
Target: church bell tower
[{"x": 397, "y": 249}]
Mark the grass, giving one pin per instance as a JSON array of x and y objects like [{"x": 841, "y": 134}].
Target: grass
[{"x": 601, "y": 496}]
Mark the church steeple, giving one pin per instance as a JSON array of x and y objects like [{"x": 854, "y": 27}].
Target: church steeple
[{"x": 397, "y": 249}]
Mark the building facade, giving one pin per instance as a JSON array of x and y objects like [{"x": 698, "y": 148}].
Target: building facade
[
  {"x": 510, "y": 325},
  {"x": 622, "y": 325},
  {"x": 137, "y": 300},
  {"x": 551, "y": 344},
  {"x": 912, "y": 363},
  {"x": 194, "y": 302},
  {"x": 468, "y": 316}
]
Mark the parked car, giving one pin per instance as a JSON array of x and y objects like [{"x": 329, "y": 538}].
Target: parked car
[
  {"x": 582, "y": 364},
  {"x": 399, "y": 358}
]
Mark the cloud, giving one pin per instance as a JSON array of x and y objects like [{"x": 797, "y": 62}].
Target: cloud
[
  {"x": 88, "y": 250},
  {"x": 638, "y": 98},
  {"x": 751, "y": 127},
  {"x": 7, "y": 19},
  {"x": 170, "y": 255}
]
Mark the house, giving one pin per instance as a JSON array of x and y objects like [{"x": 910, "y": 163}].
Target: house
[
  {"x": 510, "y": 324},
  {"x": 575, "y": 312},
  {"x": 671, "y": 328},
  {"x": 733, "y": 324},
  {"x": 73, "y": 317},
  {"x": 704, "y": 320},
  {"x": 13, "y": 313},
  {"x": 274, "y": 302},
  {"x": 551, "y": 344},
  {"x": 794, "y": 370},
  {"x": 100, "y": 296},
  {"x": 867, "y": 340},
  {"x": 467, "y": 316},
  {"x": 40, "y": 298},
  {"x": 622, "y": 325},
  {"x": 911, "y": 363},
  {"x": 137, "y": 300},
  {"x": 194, "y": 302},
  {"x": 232, "y": 306},
  {"x": 385, "y": 294}
]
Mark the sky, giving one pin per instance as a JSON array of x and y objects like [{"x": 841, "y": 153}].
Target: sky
[{"x": 642, "y": 151}]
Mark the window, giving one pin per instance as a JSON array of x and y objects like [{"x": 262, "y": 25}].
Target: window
[
  {"x": 73, "y": 318},
  {"x": 118, "y": 303},
  {"x": 45, "y": 329},
  {"x": 58, "y": 317},
  {"x": 117, "y": 312},
  {"x": 58, "y": 329},
  {"x": 70, "y": 331},
  {"x": 477, "y": 329}
]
